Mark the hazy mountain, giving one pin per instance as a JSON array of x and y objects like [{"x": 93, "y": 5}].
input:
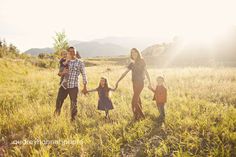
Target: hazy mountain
[
  {"x": 154, "y": 50},
  {"x": 199, "y": 54},
  {"x": 110, "y": 46},
  {"x": 87, "y": 49},
  {"x": 37, "y": 51},
  {"x": 93, "y": 49}
]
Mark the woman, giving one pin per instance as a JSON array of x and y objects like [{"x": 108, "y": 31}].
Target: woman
[{"x": 138, "y": 68}]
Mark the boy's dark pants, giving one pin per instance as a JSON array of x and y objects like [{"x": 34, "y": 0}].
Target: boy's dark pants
[
  {"x": 62, "y": 94},
  {"x": 161, "y": 110}
]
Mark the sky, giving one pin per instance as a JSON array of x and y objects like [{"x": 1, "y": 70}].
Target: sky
[{"x": 33, "y": 23}]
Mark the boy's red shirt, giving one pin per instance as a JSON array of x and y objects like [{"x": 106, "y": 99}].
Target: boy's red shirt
[{"x": 160, "y": 95}]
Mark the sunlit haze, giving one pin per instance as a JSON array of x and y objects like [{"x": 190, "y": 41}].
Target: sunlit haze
[{"x": 31, "y": 23}]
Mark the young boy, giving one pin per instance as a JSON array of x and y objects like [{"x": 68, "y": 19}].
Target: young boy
[
  {"x": 160, "y": 96},
  {"x": 63, "y": 68}
]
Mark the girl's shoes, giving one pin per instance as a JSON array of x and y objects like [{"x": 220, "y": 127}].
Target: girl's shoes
[{"x": 107, "y": 117}]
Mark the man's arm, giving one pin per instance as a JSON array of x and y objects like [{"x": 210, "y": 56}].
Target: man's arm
[
  {"x": 83, "y": 72},
  {"x": 84, "y": 76}
]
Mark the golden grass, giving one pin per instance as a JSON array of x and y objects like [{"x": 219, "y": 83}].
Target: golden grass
[{"x": 200, "y": 114}]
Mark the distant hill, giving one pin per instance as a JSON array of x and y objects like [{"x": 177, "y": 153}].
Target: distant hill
[
  {"x": 37, "y": 51},
  {"x": 87, "y": 49},
  {"x": 109, "y": 46},
  {"x": 154, "y": 50},
  {"x": 94, "y": 49},
  {"x": 178, "y": 54}
]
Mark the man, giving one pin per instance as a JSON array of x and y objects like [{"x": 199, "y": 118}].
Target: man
[{"x": 75, "y": 67}]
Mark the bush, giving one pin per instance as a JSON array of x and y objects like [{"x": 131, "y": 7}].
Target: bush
[{"x": 43, "y": 63}]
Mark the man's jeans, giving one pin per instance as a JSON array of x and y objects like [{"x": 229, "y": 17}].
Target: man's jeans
[{"x": 62, "y": 94}]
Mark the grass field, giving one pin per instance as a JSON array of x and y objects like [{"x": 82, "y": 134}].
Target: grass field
[{"x": 200, "y": 114}]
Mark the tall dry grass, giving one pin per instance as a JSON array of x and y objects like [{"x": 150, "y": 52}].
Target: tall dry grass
[{"x": 200, "y": 114}]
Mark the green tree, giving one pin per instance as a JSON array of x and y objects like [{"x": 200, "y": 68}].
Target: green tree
[
  {"x": 60, "y": 43},
  {"x": 12, "y": 49},
  {"x": 8, "y": 50},
  {"x": 42, "y": 55},
  {"x": 4, "y": 47}
]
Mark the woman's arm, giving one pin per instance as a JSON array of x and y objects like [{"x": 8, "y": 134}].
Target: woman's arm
[
  {"x": 151, "y": 88},
  {"x": 122, "y": 76},
  {"x": 113, "y": 89},
  {"x": 148, "y": 77},
  {"x": 92, "y": 90}
]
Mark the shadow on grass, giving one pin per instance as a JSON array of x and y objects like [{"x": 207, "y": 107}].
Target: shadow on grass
[{"x": 151, "y": 139}]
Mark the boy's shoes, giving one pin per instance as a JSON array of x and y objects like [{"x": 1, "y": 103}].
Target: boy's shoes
[{"x": 161, "y": 119}]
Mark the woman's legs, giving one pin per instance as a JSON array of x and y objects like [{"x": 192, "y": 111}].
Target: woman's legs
[
  {"x": 140, "y": 102},
  {"x": 136, "y": 101}
]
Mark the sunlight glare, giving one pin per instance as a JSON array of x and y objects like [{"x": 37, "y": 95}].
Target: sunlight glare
[{"x": 206, "y": 34}]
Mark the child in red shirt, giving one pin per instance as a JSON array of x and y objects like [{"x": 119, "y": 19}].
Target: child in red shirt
[{"x": 160, "y": 96}]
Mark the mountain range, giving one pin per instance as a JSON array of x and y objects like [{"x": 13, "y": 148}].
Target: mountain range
[
  {"x": 109, "y": 46},
  {"x": 172, "y": 53},
  {"x": 37, "y": 51}
]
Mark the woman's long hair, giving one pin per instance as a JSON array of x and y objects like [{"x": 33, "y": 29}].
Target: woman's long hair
[
  {"x": 137, "y": 51},
  {"x": 106, "y": 86}
]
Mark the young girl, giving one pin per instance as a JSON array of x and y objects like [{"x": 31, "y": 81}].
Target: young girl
[
  {"x": 104, "y": 102},
  {"x": 64, "y": 70},
  {"x": 160, "y": 96}
]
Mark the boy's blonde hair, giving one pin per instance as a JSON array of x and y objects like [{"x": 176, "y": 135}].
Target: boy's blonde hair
[{"x": 63, "y": 52}]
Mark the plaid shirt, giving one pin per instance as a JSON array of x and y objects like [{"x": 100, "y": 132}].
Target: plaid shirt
[{"x": 75, "y": 68}]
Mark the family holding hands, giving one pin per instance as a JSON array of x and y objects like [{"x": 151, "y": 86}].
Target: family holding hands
[{"x": 71, "y": 67}]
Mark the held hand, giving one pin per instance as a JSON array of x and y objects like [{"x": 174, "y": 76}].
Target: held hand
[
  {"x": 117, "y": 83},
  {"x": 84, "y": 91},
  {"x": 150, "y": 86}
]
